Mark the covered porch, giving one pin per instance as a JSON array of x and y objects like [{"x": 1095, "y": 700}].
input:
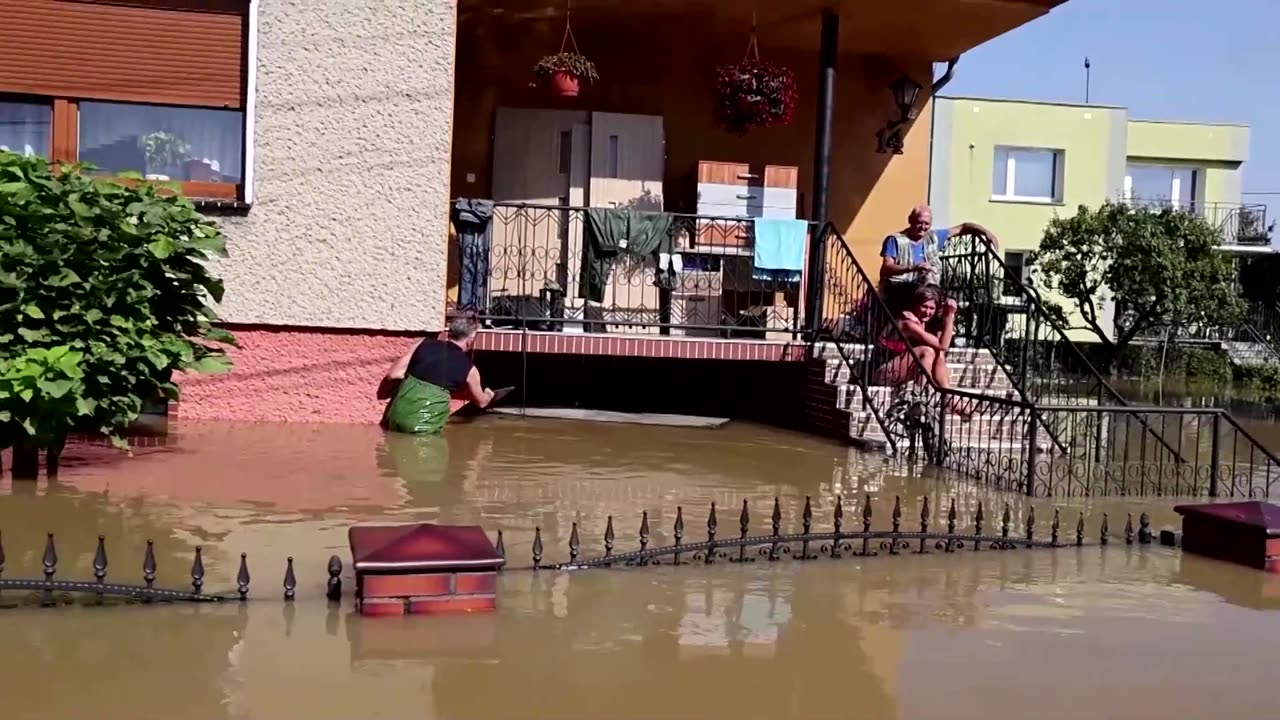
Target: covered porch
[{"x": 643, "y": 138}]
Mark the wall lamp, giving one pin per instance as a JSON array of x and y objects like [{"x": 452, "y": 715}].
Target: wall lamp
[{"x": 906, "y": 92}]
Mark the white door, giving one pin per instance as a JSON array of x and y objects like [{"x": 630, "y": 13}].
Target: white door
[
  {"x": 539, "y": 158},
  {"x": 628, "y": 161}
]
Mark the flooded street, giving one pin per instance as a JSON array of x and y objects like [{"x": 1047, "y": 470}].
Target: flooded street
[{"x": 1115, "y": 632}]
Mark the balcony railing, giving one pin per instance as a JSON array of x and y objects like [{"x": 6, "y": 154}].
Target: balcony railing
[
  {"x": 536, "y": 268},
  {"x": 1243, "y": 224}
]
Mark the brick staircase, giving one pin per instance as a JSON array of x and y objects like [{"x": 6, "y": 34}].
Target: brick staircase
[{"x": 972, "y": 370}]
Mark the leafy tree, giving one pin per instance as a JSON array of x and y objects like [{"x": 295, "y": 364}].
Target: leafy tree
[
  {"x": 104, "y": 293},
  {"x": 1159, "y": 266}
]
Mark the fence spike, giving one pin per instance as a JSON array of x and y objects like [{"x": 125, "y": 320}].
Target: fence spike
[
  {"x": 1031, "y": 523},
  {"x": 776, "y": 517},
  {"x": 644, "y": 529},
  {"x": 1128, "y": 530},
  {"x": 1055, "y": 527},
  {"x": 608, "y": 536},
  {"x": 197, "y": 571},
  {"x": 951, "y": 517},
  {"x": 837, "y": 516},
  {"x": 1080, "y": 530},
  {"x": 574, "y": 543},
  {"x": 1106, "y": 530},
  {"x": 897, "y": 512},
  {"x": 1005, "y": 520},
  {"x": 290, "y": 582},
  {"x": 711, "y": 525},
  {"x": 333, "y": 586},
  {"x": 50, "y": 559},
  {"x": 242, "y": 577},
  {"x": 806, "y": 517},
  {"x": 744, "y": 519},
  {"x": 537, "y": 547},
  {"x": 924, "y": 515},
  {"x": 501, "y": 547},
  {"x": 100, "y": 561},
  {"x": 149, "y": 566},
  {"x": 866, "y": 513},
  {"x": 978, "y": 517},
  {"x": 1144, "y": 529},
  {"x": 678, "y": 528}
]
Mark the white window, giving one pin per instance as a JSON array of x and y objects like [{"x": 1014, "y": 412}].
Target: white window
[
  {"x": 1161, "y": 185},
  {"x": 1027, "y": 174}
]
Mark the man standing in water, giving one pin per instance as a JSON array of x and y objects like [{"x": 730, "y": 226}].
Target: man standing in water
[
  {"x": 425, "y": 380},
  {"x": 909, "y": 258}
]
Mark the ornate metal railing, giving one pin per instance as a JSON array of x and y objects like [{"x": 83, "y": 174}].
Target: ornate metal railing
[
  {"x": 1240, "y": 223},
  {"x": 535, "y": 267},
  {"x": 49, "y": 591},
  {"x": 1041, "y": 441},
  {"x": 1254, "y": 340},
  {"x": 1005, "y": 316},
  {"x": 1009, "y": 531}
]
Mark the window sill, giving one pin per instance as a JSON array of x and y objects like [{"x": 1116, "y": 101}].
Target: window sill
[{"x": 1026, "y": 200}]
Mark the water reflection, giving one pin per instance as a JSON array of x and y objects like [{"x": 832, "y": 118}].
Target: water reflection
[{"x": 1023, "y": 631}]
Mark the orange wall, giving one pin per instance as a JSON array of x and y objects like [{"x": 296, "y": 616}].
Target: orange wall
[{"x": 668, "y": 71}]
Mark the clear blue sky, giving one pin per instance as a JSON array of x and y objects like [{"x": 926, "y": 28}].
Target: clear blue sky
[{"x": 1163, "y": 59}]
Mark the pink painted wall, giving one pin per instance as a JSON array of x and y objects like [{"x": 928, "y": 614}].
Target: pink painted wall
[{"x": 296, "y": 376}]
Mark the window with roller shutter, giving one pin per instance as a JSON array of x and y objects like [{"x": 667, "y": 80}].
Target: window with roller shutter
[{"x": 156, "y": 87}]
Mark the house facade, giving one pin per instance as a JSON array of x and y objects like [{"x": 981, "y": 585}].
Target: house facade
[
  {"x": 328, "y": 137},
  {"x": 1014, "y": 165}
]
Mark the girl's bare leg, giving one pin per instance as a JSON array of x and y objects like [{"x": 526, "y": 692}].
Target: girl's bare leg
[{"x": 942, "y": 376}]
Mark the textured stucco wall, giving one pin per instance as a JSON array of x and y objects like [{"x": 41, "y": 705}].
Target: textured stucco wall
[
  {"x": 352, "y": 145},
  {"x": 295, "y": 376}
]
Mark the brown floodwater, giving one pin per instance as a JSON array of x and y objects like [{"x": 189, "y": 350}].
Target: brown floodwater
[{"x": 1115, "y": 632}]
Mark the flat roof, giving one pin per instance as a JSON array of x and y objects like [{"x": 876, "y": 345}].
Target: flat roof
[{"x": 1096, "y": 106}]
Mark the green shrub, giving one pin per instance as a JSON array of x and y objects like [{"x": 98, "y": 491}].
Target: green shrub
[{"x": 104, "y": 293}]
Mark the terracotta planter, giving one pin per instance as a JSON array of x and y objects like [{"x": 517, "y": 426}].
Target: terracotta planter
[{"x": 565, "y": 84}]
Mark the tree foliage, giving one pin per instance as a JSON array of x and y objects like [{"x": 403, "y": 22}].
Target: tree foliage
[
  {"x": 1160, "y": 268},
  {"x": 104, "y": 293}
]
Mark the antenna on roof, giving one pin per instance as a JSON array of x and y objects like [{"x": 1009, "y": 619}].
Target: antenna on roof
[{"x": 1087, "y": 67}]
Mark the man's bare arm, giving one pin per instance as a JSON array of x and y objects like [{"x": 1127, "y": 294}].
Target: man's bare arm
[
  {"x": 480, "y": 395},
  {"x": 972, "y": 228}
]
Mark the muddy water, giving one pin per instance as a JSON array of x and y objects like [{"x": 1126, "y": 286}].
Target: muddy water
[{"x": 1115, "y": 633}]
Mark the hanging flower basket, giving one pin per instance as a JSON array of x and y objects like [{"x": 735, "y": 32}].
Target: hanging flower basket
[
  {"x": 754, "y": 94},
  {"x": 564, "y": 73}
]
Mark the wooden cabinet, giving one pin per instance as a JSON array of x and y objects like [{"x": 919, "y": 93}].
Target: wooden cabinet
[{"x": 742, "y": 191}]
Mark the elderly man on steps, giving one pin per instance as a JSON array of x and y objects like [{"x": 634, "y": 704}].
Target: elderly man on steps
[{"x": 910, "y": 257}]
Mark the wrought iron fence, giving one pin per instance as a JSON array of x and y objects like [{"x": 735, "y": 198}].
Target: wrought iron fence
[
  {"x": 573, "y": 269},
  {"x": 49, "y": 590},
  {"x": 1063, "y": 432},
  {"x": 1256, "y": 339},
  {"x": 855, "y": 537}
]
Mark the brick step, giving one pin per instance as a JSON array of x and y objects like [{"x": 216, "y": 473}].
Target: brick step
[
  {"x": 829, "y": 351},
  {"x": 980, "y": 428},
  {"x": 849, "y": 396},
  {"x": 962, "y": 375}
]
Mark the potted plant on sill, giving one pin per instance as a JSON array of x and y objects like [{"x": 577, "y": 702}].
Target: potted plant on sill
[
  {"x": 754, "y": 94},
  {"x": 163, "y": 151},
  {"x": 564, "y": 73}
]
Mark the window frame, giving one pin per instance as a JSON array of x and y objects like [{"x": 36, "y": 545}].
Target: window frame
[
  {"x": 26, "y": 99},
  {"x": 1187, "y": 203},
  {"x": 65, "y": 119},
  {"x": 1010, "y": 180}
]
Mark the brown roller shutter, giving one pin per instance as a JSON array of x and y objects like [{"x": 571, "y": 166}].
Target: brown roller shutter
[{"x": 179, "y": 52}]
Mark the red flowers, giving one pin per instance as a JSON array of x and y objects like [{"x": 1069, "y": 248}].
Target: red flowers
[{"x": 754, "y": 94}]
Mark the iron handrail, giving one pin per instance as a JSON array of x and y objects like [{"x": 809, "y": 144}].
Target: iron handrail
[
  {"x": 583, "y": 208},
  {"x": 1031, "y": 298}
]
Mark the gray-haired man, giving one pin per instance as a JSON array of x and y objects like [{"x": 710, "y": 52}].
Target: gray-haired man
[{"x": 433, "y": 380}]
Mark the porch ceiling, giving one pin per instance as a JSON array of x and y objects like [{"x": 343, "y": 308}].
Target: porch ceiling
[{"x": 923, "y": 29}]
